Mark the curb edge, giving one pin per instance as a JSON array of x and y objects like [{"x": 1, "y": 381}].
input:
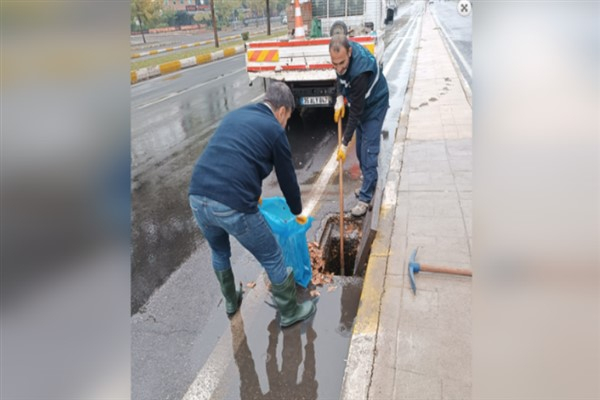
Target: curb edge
[{"x": 174, "y": 66}]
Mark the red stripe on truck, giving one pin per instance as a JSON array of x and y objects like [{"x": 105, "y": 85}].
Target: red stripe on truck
[
  {"x": 289, "y": 67},
  {"x": 312, "y": 42},
  {"x": 259, "y": 69},
  {"x": 302, "y": 67}
]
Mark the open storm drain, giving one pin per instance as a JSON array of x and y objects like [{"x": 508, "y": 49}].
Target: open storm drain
[{"x": 326, "y": 253}]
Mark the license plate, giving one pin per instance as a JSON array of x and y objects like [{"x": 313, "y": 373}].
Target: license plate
[{"x": 315, "y": 100}]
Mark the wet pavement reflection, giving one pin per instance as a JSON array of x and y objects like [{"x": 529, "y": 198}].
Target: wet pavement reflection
[
  {"x": 282, "y": 381},
  {"x": 274, "y": 363}
]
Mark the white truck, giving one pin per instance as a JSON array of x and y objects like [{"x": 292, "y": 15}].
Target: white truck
[{"x": 304, "y": 64}]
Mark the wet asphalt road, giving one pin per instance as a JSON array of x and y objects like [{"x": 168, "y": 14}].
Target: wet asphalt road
[
  {"x": 459, "y": 30},
  {"x": 172, "y": 120},
  {"x": 179, "y": 328}
]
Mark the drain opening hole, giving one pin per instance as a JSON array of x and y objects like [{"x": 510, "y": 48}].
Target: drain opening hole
[
  {"x": 331, "y": 253},
  {"x": 333, "y": 262}
]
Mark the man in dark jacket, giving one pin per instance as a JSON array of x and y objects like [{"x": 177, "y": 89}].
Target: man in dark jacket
[
  {"x": 361, "y": 82},
  {"x": 225, "y": 190}
]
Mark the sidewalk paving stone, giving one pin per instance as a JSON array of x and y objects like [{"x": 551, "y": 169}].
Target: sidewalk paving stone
[
  {"x": 423, "y": 343},
  {"x": 430, "y": 332}
]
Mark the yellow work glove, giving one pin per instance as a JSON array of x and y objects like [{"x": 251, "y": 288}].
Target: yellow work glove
[
  {"x": 339, "y": 108},
  {"x": 260, "y": 200},
  {"x": 301, "y": 219},
  {"x": 341, "y": 153}
]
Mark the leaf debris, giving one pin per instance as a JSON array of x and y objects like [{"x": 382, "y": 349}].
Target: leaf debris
[{"x": 319, "y": 276}]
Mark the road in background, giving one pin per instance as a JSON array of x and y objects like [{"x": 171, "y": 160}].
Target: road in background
[
  {"x": 459, "y": 31},
  {"x": 166, "y": 39}
]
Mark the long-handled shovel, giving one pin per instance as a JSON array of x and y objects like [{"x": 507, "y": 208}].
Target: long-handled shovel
[{"x": 341, "y": 201}]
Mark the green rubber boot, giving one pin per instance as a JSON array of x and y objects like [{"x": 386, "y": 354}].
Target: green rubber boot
[
  {"x": 291, "y": 312},
  {"x": 233, "y": 298}
]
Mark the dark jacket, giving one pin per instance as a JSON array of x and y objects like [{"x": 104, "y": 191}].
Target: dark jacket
[
  {"x": 246, "y": 146},
  {"x": 365, "y": 87}
]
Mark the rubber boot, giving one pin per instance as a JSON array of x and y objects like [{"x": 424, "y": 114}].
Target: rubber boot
[
  {"x": 233, "y": 298},
  {"x": 291, "y": 312}
]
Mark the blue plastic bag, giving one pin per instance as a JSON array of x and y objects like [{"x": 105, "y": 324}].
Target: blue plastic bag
[{"x": 290, "y": 235}]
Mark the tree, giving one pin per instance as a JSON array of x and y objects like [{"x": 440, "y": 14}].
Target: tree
[
  {"x": 224, "y": 9},
  {"x": 168, "y": 17},
  {"x": 202, "y": 17},
  {"x": 281, "y": 5},
  {"x": 257, "y": 7},
  {"x": 145, "y": 11},
  {"x": 183, "y": 18}
]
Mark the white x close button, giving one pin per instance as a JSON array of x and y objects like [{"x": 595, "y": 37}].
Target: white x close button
[{"x": 464, "y": 8}]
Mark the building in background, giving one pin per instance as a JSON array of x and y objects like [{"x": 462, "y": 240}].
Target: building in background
[{"x": 186, "y": 5}]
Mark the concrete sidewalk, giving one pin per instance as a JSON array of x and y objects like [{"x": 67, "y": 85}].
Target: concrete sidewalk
[{"x": 408, "y": 346}]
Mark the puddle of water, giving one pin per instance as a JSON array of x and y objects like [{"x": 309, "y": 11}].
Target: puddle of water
[{"x": 304, "y": 361}]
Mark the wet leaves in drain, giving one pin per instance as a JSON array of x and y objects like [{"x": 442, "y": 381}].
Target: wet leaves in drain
[
  {"x": 319, "y": 276},
  {"x": 326, "y": 261}
]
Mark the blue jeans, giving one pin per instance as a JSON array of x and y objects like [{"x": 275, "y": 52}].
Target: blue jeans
[
  {"x": 217, "y": 221},
  {"x": 368, "y": 140}
]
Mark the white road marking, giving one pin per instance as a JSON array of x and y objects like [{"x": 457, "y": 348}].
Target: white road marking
[
  {"x": 321, "y": 184},
  {"x": 256, "y": 98},
  {"x": 458, "y": 53},
  {"x": 389, "y": 64},
  {"x": 175, "y": 94},
  {"x": 209, "y": 377}
]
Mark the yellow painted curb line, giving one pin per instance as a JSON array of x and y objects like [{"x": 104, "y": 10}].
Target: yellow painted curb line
[
  {"x": 229, "y": 51},
  {"x": 367, "y": 316},
  {"x": 169, "y": 67},
  {"x": 203, "y": 58},
  {"x": 173, "y": 66}
]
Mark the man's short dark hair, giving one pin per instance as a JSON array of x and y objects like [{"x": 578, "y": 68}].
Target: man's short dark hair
[
  {"x": 279, "y": 95},
  {"x": 337, "y": 42}
]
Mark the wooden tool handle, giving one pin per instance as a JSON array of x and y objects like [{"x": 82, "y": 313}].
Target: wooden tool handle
[
  {"x": 342, "y": 271},
  {"x": 446, "y": 270}
]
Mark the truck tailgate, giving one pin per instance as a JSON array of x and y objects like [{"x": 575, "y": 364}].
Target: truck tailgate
[{"x": 295, "y": 60}]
